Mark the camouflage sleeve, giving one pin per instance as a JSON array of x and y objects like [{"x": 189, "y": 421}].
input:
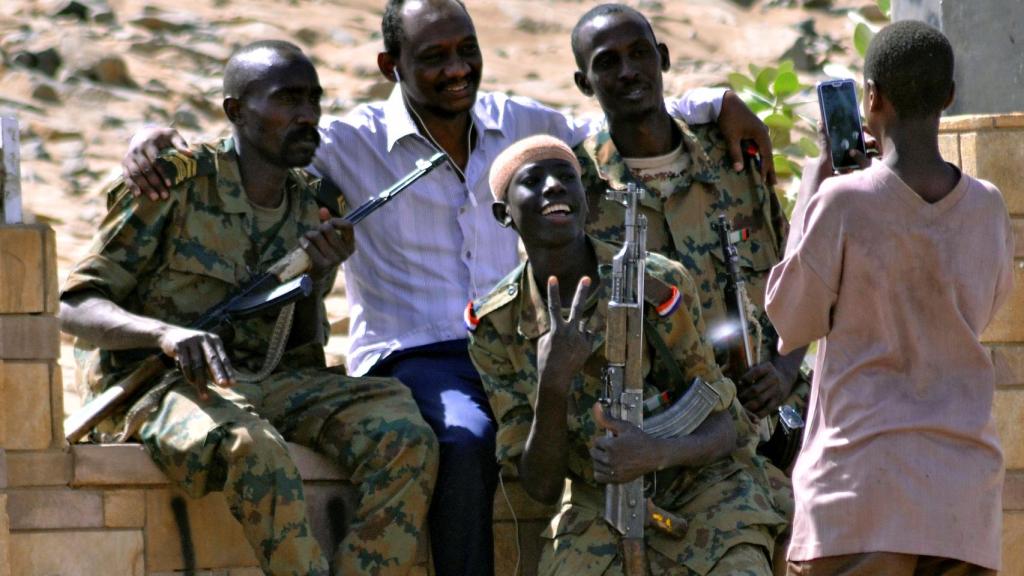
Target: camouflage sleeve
[
  {"x": 126, "y": 246},
  {"x": 508, "y": 389},
  {"x": 684, "y": 333}
]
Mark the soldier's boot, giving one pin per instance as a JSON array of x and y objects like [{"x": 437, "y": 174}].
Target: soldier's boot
[
  {"x": 391, "y": 456},
  {"x": 264, "y": 492}
]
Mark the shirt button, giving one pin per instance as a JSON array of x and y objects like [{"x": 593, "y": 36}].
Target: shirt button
[{"x": 469, "y": 254}]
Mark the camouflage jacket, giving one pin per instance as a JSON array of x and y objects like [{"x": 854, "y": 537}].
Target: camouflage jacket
[
  {"x": 503, "y": 345},
  {"x": 174, "y": 259},
  {"x": 681, "y": 211}
]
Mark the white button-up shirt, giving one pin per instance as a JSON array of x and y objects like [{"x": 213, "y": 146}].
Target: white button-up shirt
[{"x": 421, "y": 259}]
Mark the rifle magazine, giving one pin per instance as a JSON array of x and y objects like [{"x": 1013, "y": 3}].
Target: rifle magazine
[{"x": 686, "y": 414}]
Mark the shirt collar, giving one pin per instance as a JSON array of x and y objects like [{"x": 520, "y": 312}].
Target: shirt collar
[
  {"x": 398, "y": 122},
  {"x": 611, "y": 166},
  {"x": 229, "y": 180}
]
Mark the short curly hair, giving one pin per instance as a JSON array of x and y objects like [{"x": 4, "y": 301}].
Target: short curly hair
[
  {"x": 911, "y": 63},
  {"x": 602, "y": 10}
]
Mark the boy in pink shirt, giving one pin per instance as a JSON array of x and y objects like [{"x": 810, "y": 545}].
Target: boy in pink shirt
[{"x": 899, "y": 268}]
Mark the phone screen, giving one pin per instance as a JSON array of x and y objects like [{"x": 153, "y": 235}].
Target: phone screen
[{"x": 841, "y": 115}]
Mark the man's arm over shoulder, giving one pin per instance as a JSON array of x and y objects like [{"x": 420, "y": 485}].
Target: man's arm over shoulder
[
  {"x": 127, "y": 243},
  {"x": 697, "y": 106}
]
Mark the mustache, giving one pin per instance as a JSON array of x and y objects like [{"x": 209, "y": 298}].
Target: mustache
[
  {"x": 302, "y": 135},
  {"x": 472, "y": 78}
]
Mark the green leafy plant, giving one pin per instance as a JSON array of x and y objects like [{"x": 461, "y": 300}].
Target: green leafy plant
[
  {"x": 773, "y": 93},
  {"x": 865, "y": 30}
]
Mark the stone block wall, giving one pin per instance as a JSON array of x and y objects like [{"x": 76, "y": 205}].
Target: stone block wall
[
  {"x": 991, "y": 147},
  {"x": 31, "y": 397}
]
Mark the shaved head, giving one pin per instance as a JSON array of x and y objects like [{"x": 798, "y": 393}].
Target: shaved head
[{"x": 251, "y": 61}]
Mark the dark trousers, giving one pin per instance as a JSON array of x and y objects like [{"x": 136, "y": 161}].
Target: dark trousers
[{"x": 447, "y": 388}]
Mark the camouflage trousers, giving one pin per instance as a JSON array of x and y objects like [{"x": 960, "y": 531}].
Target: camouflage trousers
[
  {"x": 235, "y": 442},
  {"x": 579, "y": 542}
]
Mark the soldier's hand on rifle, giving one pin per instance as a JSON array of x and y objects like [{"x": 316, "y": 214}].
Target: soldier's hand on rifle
[
  {"x": 329, "y": 245},
  {"x": 763, "y": 388},
  {"x": 139, "y": 168},
  {"x": 562, "y": 352},
  {"x": 624, "y": 456},
  {"x": 200, "y": 356}
]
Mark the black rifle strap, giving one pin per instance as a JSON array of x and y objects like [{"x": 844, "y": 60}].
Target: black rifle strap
[
  {"x": 663, "y": 353},
  {"x": 328, "y": 195}
]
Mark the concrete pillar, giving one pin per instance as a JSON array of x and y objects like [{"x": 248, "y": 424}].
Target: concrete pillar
[{"x": 988, "y": 38}]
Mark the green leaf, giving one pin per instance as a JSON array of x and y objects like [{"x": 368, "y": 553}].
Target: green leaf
[
  {"x": 862, "y": 36},
  {"x": 780, "y": 137},
  {"x": 786, "y": 66},
  {"x": 834, "y": 70},
  {"x": 740, "y": 82},
  {"x": 750, "y": 95},
  {"x": 780, "y": 121},
  {"x": 886, "y": 7},
  {"x": 784, "y": 166},
  {"x": 785, "y": 84},
  {"x": 808, "y": 147},
  {"x": 764, "y": 80}
]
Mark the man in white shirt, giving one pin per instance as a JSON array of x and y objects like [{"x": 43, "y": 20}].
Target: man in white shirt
[{"x": 421, "y": 260}]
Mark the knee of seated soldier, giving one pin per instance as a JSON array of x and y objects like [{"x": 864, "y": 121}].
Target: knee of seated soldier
[
  {"x": 255, "y": 442},
  {"x": 401, "y": 439}
]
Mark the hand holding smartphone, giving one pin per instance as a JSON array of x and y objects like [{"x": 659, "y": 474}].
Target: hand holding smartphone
[{"x": 840, "y": 113}]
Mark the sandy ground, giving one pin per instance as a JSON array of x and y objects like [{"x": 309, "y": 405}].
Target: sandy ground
[{"x": 132, "y": 62}]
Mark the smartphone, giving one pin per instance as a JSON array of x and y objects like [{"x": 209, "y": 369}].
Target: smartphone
[{"x": 841, "y": 115}]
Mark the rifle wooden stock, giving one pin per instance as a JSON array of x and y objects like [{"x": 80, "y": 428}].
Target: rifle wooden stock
[
  {"x": 634, "y": 557},
  {"x": 77, "y": 425}
]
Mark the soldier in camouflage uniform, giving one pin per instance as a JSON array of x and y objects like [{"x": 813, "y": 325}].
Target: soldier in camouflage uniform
[
  {"x": 543, "y": 376},
  {"x": 689, "y": 183},
  {"x": 235, "y": 208}
]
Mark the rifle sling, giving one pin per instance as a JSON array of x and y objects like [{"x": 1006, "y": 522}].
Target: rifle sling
[{"x": 663, "y": 354}]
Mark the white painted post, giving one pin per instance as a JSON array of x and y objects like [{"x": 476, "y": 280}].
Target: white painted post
[{"x": 10, "y": 173}]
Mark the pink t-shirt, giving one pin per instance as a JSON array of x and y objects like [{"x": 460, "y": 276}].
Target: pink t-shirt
[{"x": 901, "y": 452}]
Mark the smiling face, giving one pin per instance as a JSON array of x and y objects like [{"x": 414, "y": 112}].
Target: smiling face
[
  {"x": 440, "y": 61},
  {"x": 621, "y": 64},
  {"x": 278, "y": 114},
  {"x": 546, "y": 202}
]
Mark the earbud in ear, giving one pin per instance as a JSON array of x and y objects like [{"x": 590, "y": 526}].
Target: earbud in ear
[{"x": 398, "y": 77}]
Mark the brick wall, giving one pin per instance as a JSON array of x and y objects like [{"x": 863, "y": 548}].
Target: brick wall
[
  {"x": 31, "y": 399},
  {"x": 991, "y": 147}
]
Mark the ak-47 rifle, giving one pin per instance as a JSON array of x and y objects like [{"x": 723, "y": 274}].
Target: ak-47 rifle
[
  {"x": 783, "y": 442},
  {"x": 625, "y": 507},
  {"x": 283, "y": 283},
  {"x": 741, "y": 355}
]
